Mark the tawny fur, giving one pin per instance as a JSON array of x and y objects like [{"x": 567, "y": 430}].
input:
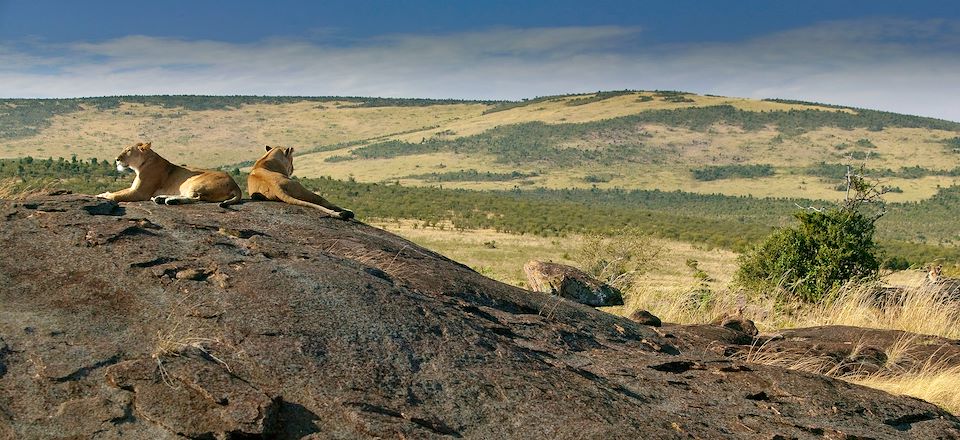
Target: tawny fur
[
  {"x": 165, "y": 183},
  {"x": 270, "y": 180}
]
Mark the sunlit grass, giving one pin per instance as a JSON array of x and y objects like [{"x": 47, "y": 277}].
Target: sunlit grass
[
  {"x": 933, "y": 379},
  {"x": 932, "y": 383}
]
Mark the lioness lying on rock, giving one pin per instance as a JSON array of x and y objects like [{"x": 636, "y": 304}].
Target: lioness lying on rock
[
  {"x": 270, "y": 180},
  {"x": 165, "y": 183}
]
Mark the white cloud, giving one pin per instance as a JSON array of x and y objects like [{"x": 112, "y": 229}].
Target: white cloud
[{"x": 897, "y": 65}]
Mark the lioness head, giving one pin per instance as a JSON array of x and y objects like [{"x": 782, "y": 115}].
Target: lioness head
[
  {"x": 133, "y": 156},
  {"x": 279, "y": 157}
]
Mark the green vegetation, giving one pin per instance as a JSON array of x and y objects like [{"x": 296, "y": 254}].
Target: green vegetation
[
  {"x": 86, "y": 176},
  {"x": 918, "y": 232},
  {"x": 837, "y": 171},
  {"x": 538, "y": 142},
  {"x": 599, "y": 178},
  {"x": 26, "y": 117},
  {"x": 732, "y": 171},
  {"x": 507, "y": 105},
  {"x": 829, "y": 247},
  {"x": 472, "y": 175},
  {"x": 865, "y": 143},
  {"x": 672, "y": 96},
  {"x": 880, "y": 119},
  {"x": 810, "y": 260},
  {"x": 527, "y": 143}
]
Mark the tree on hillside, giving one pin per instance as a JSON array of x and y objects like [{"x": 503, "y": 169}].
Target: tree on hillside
[{"x": 828, "y": 246}]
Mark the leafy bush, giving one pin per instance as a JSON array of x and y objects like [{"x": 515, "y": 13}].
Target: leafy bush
[
  {"x": 861, "y": 155},
  {"x": 810, "y": 260},
  {"x": 826, "y": 249},
  {"x": 865, "y": 143},
  {"x": 598, "y": 178},
  {"x": 896, "y": 263},
  {"x": 341, "y": 158}
]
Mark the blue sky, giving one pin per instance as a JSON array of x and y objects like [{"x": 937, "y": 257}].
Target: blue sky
[{"x": 891, "y": 55}]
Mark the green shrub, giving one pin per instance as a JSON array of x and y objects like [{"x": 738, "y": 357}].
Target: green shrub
[
  {"x": 826, "y": 249},
  {"x": 865, "y": 143},
  {"x": 811, "y": 259},
  {"x": 598, "y": 178}
]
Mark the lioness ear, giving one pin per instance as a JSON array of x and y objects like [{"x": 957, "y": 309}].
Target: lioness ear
[
  {"x": 144, "y": 147},
  {"x": 268, "y": 148},
  {"x": 289, "y": 152}
]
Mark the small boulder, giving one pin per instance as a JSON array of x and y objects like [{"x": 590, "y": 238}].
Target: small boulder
[
  {"x": 571, "y": 283},
  {"x": 646, "y": 318},
  {"x": 738, "y": 323}
]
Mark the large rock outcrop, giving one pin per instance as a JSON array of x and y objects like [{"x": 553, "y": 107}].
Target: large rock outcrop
[{"x": 272, "y": 321}]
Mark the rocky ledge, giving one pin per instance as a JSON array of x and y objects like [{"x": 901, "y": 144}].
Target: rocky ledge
[{"x": 272, "y": 321}]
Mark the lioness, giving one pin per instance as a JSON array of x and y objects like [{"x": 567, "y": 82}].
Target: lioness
[
  {"x": 165, "y": 183},
  {"x": 270, "y": 180}
]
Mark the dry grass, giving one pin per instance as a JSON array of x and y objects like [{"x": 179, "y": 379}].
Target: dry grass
[
  {"x": 9, "y": 188},
  {"x": 497, "y": 255},
  {"x": 933, "y": 383},
  {"x": 674, "y": 290},
  {"x": 13, "y": 188},
  {"x": 924, "y": 309},
  {"x": 932, "y": 379},
  {"x": 218, "y": 137},
  {"x": 183, "y": 331},
  {"x": 920, "y": 309}
]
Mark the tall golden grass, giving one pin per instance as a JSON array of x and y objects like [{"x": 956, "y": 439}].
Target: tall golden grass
[
  {"x": 933, "y": 379},
  {"x": 929, "y": 309},
  {"x": 13, "y": 188},
  {"x": 933, "y": 383}
]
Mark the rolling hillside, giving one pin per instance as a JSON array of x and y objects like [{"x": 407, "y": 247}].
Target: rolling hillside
[
  {"x": 628, "y": 139},
  {"x": 708, "y": 170}
]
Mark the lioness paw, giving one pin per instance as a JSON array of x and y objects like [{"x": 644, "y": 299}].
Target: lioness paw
[
  {"x": 105, "y": 195},
  {"x": 346, "y": 214},
  {"x": 160, "y": 200}
]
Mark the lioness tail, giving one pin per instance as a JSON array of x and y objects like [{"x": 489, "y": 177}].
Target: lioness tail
[{"x": 232, "y": 201}]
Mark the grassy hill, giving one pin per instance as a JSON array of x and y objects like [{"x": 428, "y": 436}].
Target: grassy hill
[
  {"x": 625, "y": 139},
  {"x": 550, "y": 165}
]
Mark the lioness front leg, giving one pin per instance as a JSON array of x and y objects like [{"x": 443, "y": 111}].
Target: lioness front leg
[{"x": 124, "y": 195}]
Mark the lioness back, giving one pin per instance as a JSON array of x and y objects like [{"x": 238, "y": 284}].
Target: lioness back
[{"x": 270, "y": 180}]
